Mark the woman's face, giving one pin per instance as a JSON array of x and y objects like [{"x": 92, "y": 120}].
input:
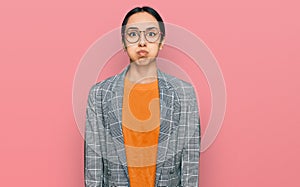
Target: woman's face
[{"x": 142, "y": 52}]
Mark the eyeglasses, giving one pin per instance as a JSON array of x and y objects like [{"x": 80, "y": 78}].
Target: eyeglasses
[{"x": 132, "y": 35}]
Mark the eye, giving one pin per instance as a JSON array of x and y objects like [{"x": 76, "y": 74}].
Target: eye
[
  {"x": 152, "y": 34},
  {"x": 132, "y": 34}
]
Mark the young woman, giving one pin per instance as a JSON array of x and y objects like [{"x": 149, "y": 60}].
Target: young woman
[{"x": 142, "y": 125}]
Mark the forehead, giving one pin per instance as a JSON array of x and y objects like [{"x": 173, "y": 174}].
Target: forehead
[{"x": 142, "y": 21}]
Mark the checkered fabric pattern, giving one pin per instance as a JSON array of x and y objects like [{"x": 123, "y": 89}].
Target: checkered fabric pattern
[{"x": 179, "y": 139}]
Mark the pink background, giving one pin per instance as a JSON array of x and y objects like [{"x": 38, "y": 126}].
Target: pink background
[{"x": 256, "y": 44}]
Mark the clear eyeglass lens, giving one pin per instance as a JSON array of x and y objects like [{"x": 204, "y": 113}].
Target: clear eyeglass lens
[
  {"x": 132, "y": 36},
  {"x": 152, "y": 35}
]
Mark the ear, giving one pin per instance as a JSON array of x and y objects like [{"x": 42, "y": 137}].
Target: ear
[
  {"x": 161, "y": 44},
  {"x": 124, "y": 46}
]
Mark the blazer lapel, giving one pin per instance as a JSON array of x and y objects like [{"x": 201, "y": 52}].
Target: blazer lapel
[
  {"x": 116, "y": 117},
  {"x": 169, "y": 119}
]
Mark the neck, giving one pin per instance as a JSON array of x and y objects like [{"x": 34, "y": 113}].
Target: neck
[{"x": 142, "y": 73}]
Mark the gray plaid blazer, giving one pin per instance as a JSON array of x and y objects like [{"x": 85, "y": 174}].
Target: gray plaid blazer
[{"x": 179, "y": 138}]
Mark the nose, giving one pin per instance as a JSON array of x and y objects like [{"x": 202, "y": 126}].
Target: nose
[{"x": 142, "y": 41}]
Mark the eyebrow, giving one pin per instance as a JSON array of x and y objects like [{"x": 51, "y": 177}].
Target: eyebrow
[{"x": 138, "y": 28}]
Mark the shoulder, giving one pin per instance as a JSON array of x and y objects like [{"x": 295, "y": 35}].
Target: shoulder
[
  {"x": 103, "y": 86},
  {"x": 112, "y": 83},
  {"x": 183, "y": 88}
]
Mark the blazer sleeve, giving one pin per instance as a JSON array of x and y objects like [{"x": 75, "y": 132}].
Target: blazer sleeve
[
  {"x": 191, "y": 150},
  {"x": 93, "y": 162}
]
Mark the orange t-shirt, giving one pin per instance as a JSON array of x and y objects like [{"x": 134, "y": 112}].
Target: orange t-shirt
[{"x": 141, "y": 123}]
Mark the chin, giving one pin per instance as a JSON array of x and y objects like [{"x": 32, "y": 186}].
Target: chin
[{"x": 143, "y": 61}]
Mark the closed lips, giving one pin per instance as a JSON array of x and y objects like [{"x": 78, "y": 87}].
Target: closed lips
[{"x": 142, "y": 52}]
